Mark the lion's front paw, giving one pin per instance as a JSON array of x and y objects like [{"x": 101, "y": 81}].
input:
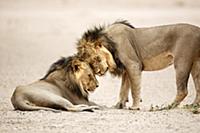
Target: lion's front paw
[
  {"x": 134, "y": 108},
  {"x": 120, "y": 105}
]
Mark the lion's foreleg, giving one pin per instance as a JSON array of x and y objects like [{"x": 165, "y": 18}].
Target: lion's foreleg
[
  {"x": 134, "y": 74},
  {"x": 86, "y": 102},
  {"x": 82, "y": 107},
  {"x": 124, "y": 91}
]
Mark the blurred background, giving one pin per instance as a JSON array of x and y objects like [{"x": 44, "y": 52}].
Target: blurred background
[{"x": 35, "y": 33}]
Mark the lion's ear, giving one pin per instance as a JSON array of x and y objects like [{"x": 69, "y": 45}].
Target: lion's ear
[{"x": 76, "y": 65}]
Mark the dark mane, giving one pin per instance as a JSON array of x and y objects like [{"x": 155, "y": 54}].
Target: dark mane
[
  {"x": 96, "y": 34},
  {"x": 93, "y": 34},
  {"x": 111, "y": 46},
  {"x": 63, "y": 62},
  {"x": 125, "y": 22},
  {"x": 70, "y": 83},
  {"x": 73, "y": 87}
]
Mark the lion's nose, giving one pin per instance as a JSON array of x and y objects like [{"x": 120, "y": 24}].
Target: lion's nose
[{"x": 97, "y": 85}]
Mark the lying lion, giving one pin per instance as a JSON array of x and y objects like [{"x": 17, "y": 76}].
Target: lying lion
[
  {"x": 65, "y": 86},
  {"x": 128, "y": 51}
]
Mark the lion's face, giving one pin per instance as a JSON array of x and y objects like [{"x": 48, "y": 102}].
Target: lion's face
[
  {"x": 99, "y": 58},
  {"x": 98, "y": 63},
  {"x": 85, "y": 76}
]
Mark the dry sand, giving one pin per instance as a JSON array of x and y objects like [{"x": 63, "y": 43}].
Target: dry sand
[{"x": 34, "y": 34}]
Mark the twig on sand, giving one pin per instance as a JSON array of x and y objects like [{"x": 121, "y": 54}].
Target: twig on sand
[
  {"x": 194, "y": 108},
  {"x": 162, "y": 107}
]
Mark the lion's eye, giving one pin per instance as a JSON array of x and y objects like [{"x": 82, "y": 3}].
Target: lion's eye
[
  {"x": 98, "y": 59},
  {"x": 100, "y": 45}
]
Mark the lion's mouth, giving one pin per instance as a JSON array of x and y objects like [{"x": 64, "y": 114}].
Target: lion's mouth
[{"x": 90, "y": 90}]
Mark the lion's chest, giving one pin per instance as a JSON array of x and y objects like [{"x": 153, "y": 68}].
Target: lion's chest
[{"x": 158, "y": 62}]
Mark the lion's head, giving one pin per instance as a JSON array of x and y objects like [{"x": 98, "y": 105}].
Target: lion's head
[
  {"x": 84, "y": 75},
  {"x": 97, "y": 60},
  {"x": 92, "y": 48},
  {"x": 74, "y": 74},
  {"x": 99, "y": 50}
]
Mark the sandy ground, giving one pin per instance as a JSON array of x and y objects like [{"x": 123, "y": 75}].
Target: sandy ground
[{"x": 33, "y": 35}]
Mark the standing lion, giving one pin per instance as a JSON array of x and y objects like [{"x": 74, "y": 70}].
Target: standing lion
[
  {"x": 65, "y": 86},
  {"x": 128, "y": 51}
]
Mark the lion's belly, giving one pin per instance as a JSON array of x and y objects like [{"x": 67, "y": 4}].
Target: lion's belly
[{"x": 158, "y": 62}]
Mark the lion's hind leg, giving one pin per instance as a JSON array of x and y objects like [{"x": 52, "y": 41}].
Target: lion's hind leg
[
  {"x": 22, "y": 100},
  {"x": 183, "y": 68},
  {"x": 196, "y": 78},
  {"x": 25, "y": 106},
  {"x": 27, "y": 100}
]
